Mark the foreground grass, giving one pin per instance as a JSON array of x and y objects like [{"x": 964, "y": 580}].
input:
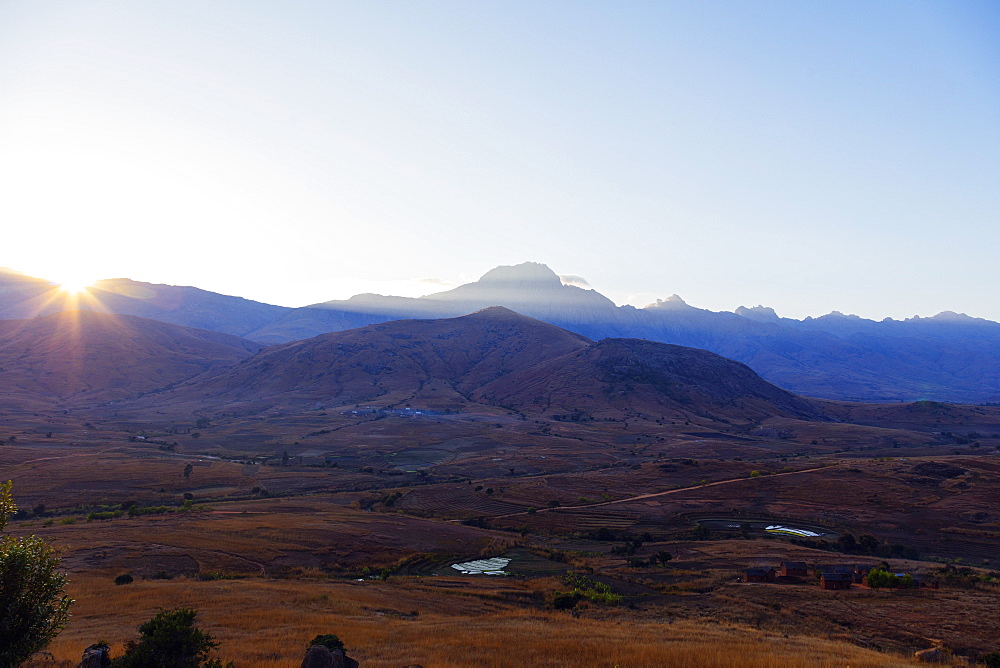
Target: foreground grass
[{"x": 439, "y": 622}]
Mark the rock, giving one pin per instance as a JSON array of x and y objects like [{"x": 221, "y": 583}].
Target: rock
[
  {"x": 319, "y": 656},
  {"x": 933, "y": 655},
  {"x": 95, "y": 656}
]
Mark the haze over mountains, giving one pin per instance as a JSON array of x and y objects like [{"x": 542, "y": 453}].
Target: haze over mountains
[{"x": 948, "y": 357}]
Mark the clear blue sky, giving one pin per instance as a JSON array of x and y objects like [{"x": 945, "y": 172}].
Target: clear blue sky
[{"x": 809, "y": 156}]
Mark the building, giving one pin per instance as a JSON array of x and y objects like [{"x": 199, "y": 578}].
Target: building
[
  {"x": 759, "y": 575},
  {"x": 794, "y": 569},
  {"x": 857, "y": 573},
  {"x": 836, "y": 580}
]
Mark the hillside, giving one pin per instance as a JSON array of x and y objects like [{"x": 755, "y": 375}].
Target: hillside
[
  {"x": 492, "y": 357},
  {"x": 638, "y": 376},
  {"x": 83, "y": 356},
  {"x": 434, "y": 364}
]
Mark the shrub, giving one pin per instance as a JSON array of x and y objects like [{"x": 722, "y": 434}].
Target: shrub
[
  {"x": 169, "y": 640},
  {"x": 328, "y": 640},
  {"x": 991, "y": 660},
  {"x": 564, "y": 600},
  {"x": 584, "y": 589},
  {"x": 124, "y": 579}
]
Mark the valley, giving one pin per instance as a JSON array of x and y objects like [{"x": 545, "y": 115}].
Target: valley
[{"x": 344, "y": 475}]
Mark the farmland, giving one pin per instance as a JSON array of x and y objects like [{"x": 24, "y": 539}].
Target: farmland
[{"x": 298, "y": 519}]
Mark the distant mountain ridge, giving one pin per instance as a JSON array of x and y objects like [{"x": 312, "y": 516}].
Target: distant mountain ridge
[
  {"x": 26, "y": 297},
  {"x": 947, "y": 357}
]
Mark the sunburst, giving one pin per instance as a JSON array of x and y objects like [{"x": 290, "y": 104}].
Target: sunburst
[{"x": 74, "y": 285}]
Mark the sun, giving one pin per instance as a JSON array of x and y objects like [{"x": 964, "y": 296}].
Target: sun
[{"x": 74, "y": 285}]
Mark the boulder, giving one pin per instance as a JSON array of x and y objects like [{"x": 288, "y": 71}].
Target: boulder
[
  {"x": 933, "y": 655},
  {"x": 319, "y": 656}
]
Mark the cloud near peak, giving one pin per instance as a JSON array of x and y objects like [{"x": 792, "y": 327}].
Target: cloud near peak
[{"x": 573, "y": 279}]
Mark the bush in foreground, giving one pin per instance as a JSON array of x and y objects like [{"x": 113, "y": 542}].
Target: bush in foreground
[
  {"x": 33, "y": 604},
  {"x": 170, "y": 640}
]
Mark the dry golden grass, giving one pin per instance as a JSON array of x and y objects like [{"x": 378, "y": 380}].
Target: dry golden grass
[{"x": 461, "y": 622}]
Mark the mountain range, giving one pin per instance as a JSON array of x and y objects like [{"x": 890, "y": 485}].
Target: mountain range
[
  {"x": 948, "y": 357},
  {"x": 494, "y": 360}
]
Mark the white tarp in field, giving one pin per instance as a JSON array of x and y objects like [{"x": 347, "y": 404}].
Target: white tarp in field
[
  {"x": 777, "y": 528},
  {"x": 492, "y": 566}
]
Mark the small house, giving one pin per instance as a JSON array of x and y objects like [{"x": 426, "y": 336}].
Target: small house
[
  {"x": 857, "y": 573},
  {"x": 794, "y": 569},
  {"x": 836, "y": 580},
  {"x": 759, "y": 575}
]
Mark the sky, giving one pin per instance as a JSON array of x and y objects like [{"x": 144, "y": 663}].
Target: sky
[{"x": 808, "y": 156}]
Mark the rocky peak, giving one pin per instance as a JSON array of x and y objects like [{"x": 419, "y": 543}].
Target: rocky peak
[
  {"x": 524, "y": 275},
  {"x": 759, "y": 313},
  {"x": 673, "y": 302}
]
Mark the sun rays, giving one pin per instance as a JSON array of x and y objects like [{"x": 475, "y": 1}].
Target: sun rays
[{"x": 74, "y": 286}]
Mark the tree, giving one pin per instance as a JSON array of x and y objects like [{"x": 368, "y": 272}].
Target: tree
[
  {"x": 878, "y": 578},
  {"x": 187, "y": 471},
  {"x": 169, "y": 640},
  {"x": 868, "y": 544},
  {"x": 847, "y": 543},
  {"x": 33, "y": 604}
]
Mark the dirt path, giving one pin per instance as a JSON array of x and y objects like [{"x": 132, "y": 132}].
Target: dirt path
[
  {"x": 186, "y": 551},
  {"x": 70, "y": 454},
  {"x": 653, "y": 495}
]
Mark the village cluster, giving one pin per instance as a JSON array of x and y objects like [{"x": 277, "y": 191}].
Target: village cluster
[{"x": 834, "y": 576}]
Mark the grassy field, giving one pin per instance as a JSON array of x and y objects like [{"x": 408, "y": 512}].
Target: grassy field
[{"x": 434, "y": 622}]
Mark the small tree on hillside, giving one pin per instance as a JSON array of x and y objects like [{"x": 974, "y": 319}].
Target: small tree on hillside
[{"x": 33, "y": 604}]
